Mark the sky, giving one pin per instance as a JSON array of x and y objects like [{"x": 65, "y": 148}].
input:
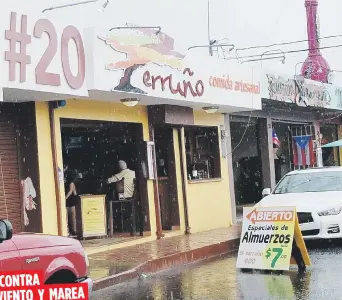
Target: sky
[{"x": 243, "y": 23}]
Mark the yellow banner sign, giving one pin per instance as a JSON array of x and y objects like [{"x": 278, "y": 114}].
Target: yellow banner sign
[{"x": 93, "y": 215}]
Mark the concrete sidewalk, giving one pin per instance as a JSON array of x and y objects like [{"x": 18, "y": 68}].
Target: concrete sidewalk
[{"x": 115, "y": 266}]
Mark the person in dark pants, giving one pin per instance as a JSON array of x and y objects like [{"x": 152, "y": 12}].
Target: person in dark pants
[{"x": 72, "y": 198}]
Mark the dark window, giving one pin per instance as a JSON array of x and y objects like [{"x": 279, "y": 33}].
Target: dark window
[
  {"x": 163, "y": 141},
  {"x": 202, "y": 153}
]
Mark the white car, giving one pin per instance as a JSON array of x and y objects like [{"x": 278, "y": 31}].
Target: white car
[{"x": 317, "y": 195}]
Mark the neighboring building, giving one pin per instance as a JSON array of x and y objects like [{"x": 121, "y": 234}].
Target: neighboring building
[{"x": 294, "y": 109}]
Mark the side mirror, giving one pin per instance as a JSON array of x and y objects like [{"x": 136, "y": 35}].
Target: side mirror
[
  {"x": 6, "y": 230},
  {"x": 266, "y": 192}
]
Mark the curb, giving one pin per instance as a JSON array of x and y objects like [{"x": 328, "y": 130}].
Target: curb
[{"x": 168, "y": 262}]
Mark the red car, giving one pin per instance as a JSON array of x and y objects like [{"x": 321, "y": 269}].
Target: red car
[{"x": 62, "y": 259}]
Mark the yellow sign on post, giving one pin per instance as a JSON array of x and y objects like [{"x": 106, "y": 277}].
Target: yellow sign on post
[{"x": 267, "y": 237}]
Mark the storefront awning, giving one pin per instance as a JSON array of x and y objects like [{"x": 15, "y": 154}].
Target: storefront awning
[{"x": 333, "y": 144}]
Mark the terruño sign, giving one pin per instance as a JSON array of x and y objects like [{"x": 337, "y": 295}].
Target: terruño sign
[{"x": 144, "y": 62}]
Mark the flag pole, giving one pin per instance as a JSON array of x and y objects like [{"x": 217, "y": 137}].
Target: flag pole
[{"x": 319, "y": 157}]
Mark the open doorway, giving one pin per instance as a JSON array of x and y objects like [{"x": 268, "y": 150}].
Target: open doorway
[
  {"x": 331, "y": 155},
  {"x": 93, "y": 150},
  {"x": 282, "y": 149},
  {"x": 246, "y": 161},
  {"x": 167, "y": 180}
]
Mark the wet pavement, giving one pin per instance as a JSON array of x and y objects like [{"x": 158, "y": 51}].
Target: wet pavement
[
  {"x": 218, "y": 279},
  {"x": 112, "y": 262}
]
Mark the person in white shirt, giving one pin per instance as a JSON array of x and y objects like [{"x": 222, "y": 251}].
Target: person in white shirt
[{"x": 128, "y": 176}]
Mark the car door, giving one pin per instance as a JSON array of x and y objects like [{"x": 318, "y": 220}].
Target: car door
[{"x": 10, "y": 259}]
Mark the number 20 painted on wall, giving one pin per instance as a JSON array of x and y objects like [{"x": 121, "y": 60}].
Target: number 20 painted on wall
[{"x": 69, "y": 33}]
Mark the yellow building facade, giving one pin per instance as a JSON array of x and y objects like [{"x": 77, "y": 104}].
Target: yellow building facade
[
  {"x": 208, "y": 202},
  {"x": 97, "y": 80}
]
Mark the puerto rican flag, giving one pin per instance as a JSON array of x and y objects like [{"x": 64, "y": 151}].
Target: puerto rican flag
[
  {"x": 276, "y": 141},
  {"x": 303, "y": 154}
]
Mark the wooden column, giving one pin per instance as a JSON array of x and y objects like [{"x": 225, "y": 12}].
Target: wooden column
[
  {"x": 156, "y": 191},
  {"x": 55, "y": 167}
]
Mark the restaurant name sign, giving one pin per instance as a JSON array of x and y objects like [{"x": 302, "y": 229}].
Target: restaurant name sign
[
  {"x": 302, "y": 92},
  {"x": 182, "y": 88},
  {"x": 143, "y": 61}
]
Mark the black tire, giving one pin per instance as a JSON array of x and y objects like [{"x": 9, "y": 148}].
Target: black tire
[{"x": 61, "y": 277}]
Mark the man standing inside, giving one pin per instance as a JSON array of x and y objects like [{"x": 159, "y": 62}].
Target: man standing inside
[{"x": 128, "y": 176}]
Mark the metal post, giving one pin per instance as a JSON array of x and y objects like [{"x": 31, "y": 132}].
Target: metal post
[
  {"x": 229, "y": 158},
  {"x": 319, "y": 156},
  {"x": 209, "y": 39},
  {"x": 265, "y": 150}
]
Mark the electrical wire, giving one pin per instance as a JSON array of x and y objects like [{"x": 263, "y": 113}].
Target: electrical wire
[
  {"x": 290, "y": 51},
  {"x": 243, "y": 135},
  {"x": 287, "y": 43}
]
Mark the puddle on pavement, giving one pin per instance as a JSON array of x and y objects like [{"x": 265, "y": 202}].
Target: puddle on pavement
[
  {"x": 100, "y": 268},
  {"x": 213, "y": 279}
]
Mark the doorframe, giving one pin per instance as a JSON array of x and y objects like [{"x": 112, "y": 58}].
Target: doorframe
[{"x": 181, "y": 142}]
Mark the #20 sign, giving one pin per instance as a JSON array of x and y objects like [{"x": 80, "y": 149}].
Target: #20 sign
[
  {"x": 41, "y": 55},
  {"x": 23, "y": 58},
  {"x": 266, "y": 238}
]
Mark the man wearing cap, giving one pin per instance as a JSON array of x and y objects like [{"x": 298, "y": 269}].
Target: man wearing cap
[{"x": 128, "y": 176}]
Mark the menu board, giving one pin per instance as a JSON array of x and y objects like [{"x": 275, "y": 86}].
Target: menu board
[{"x": 93, "y": 215}]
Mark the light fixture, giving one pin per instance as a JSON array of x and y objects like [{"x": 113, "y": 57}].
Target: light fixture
[
  {"x": 59, "y": 103},
  {"x": 130, "y": 102},
  {"x": 211, "y": 109},
  {"x": 103, "y": 6}
]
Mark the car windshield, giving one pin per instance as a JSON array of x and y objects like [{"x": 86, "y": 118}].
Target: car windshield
[{"x": 310, "y": 182}]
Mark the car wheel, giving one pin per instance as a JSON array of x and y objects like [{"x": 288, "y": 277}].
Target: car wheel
[{"x": 61, "y": 277}]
